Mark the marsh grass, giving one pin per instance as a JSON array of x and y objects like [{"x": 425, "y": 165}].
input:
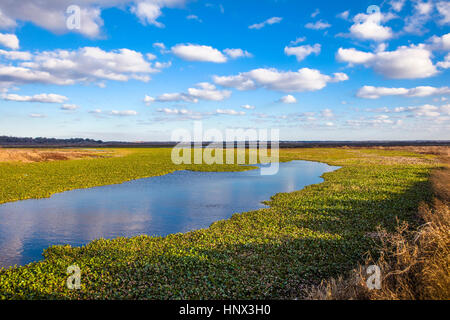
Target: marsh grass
[
  {"x": 414, "y": 262},
  {"x": 303, "y": 237}
]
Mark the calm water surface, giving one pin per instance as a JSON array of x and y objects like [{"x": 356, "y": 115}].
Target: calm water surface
[{"x": 176, "y": 202}]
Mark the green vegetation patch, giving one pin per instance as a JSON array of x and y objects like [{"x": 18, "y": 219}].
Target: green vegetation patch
[{"x": 302, "y": 238}]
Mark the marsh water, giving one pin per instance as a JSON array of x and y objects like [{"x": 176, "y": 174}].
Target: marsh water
[{"x": 176, "y": 202}]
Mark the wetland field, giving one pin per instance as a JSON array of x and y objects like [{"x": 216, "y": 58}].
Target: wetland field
[{"x": 286, "y": 248}]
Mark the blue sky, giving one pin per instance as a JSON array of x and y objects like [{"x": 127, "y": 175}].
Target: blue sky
[{"x": 137, "y": 70}]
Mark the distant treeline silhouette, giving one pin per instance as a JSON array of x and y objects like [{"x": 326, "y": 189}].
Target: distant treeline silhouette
[{"x": 5, "y": 140}]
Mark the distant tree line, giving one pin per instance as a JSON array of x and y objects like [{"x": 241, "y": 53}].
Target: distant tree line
[{"x": 5, "y": 140}]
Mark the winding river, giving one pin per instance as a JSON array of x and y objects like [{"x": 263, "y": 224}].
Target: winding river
[{"x": 176, "y": 202}]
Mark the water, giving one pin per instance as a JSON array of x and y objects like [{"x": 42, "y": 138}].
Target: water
[{"x": 176, "y": 202}]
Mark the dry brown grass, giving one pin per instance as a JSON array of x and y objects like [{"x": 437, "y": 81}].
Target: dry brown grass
[
  {"x": 415, "y": 264},
  {"x": 38, "y": 155}
]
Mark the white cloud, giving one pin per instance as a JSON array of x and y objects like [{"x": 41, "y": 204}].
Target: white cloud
[
  {"x": 203, "y": 91},
  {"x": 315, "y": 13},
  {"x": 288, "y": 99},
  {"x": 37, "y": 115},
  {"x": 318, "y": 25},
  {"x": 230, "y": 112},
  {"x": 344, "y": 15},
  {"x": 297, "y": 41},
  {"x": 207, "y": 91},
  {"x": 88, "y": 64},
  {"x": 193, "y": 17},
  {"x": 16, "y": 55},
  {"x": 240, "y": 82},
  {"x": 69, "y": 107},
  {"x": 162, "y": 65},
  {"x": 368, "y": 27},
  {"x": 123, "y": 113},
  {"x": 353, "y": 56},
  {"x": 148, "y": 100},
  {"x": 247, "y": 107},
  {"x": 397, "y": 5},
  {"x": 404, "y": 63},
  {"x": 269, "y": 21},
  {"x": 150, "y": 56},
  {"x": 9, "y": 40},
  {"x": 304, "y": 79},
  {"x": 237, "y": 53},
  {"x": 6, "y": 22},
  {"x": 43, "y": 97},
  {"x": 173, "y": 111},
  {"x": 440, "y": 43},
  {"x": 443, "y": 7},
  {"x": 301, "y": 52},
  {"x": 426, "y": 110},
  {"x": 193, "y": 52},
  {"x": 370, "y": 92},
  {"x": 446, "y": 63},
  {"x": 422, "y": 14},
  {"x": 51, "y": 14},
  {"x": 327, "y": 113},
  {"x": 161, "y": 46}
]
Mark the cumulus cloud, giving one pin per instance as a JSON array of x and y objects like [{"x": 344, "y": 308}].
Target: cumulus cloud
[
  {"x": 344, "y": 15},
  {"x": 315, "y": 13},
  {"x": 69, "y": 107},
  {"x": 443, "y": 7},
  {"x": 194, "y": 52},
  {"x": 446, "y": 63},
  {"x": 237, "y": 53},
  {"x": 230, "y": 112},
  {"x": 43, "y": 97},
  {"x": 404, "y": 63},
  {"x": 426, "y": 110},
  {"x": 148, "y": 100},
  {"x": 301, "y": 52},
  {"x": 51, "y": 14},
  {"x": 87, "y": 64},
  {"x": 397, "y": 5},
  {"x": 37, "y": 115},
  {"x": 422, "y": 14},
  {"x": 6, "y": 22},
  {"x": 247, "y": 107},
  {"x": 327, "y": 113},
  {"x": 193, "y": 17},
  {"x": 440, "y": 43},
  {"x": 9, "y": 40},
  {"x": 16, "y": 55},
  {"x": 190, "y": 114},
  {"x": 368, "y": 27},
  {"x": 202, "y": 91},
  {"x": 174, "y": 111},
  {"x": 123, "y": 113},
  {"x": 269, "y": 21},
  {"x": 370, "y": 92},
  {"x": 288, "y": 99},
  {"x": 297, "y": 41},
  {"x": 318, "y": 25},
  {"x": 304, "y": 79}
]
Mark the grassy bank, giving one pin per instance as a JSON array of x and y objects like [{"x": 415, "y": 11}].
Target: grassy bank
[
  {"x": 321, "y": 231},
  {"x": 414, "y": 262}
]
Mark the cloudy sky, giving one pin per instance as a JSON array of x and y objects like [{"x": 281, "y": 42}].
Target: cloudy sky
[{"x": 138, "y": 69}]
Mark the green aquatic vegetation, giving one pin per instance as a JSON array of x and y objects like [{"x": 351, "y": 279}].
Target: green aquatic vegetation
[{"x": 301, "y": 238}]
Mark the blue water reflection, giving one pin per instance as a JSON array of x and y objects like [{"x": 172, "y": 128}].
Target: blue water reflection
[{"x": 177, "y": 202}]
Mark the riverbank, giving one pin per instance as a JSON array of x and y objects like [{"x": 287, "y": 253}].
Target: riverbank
[{"x": 319, "y": 232}]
